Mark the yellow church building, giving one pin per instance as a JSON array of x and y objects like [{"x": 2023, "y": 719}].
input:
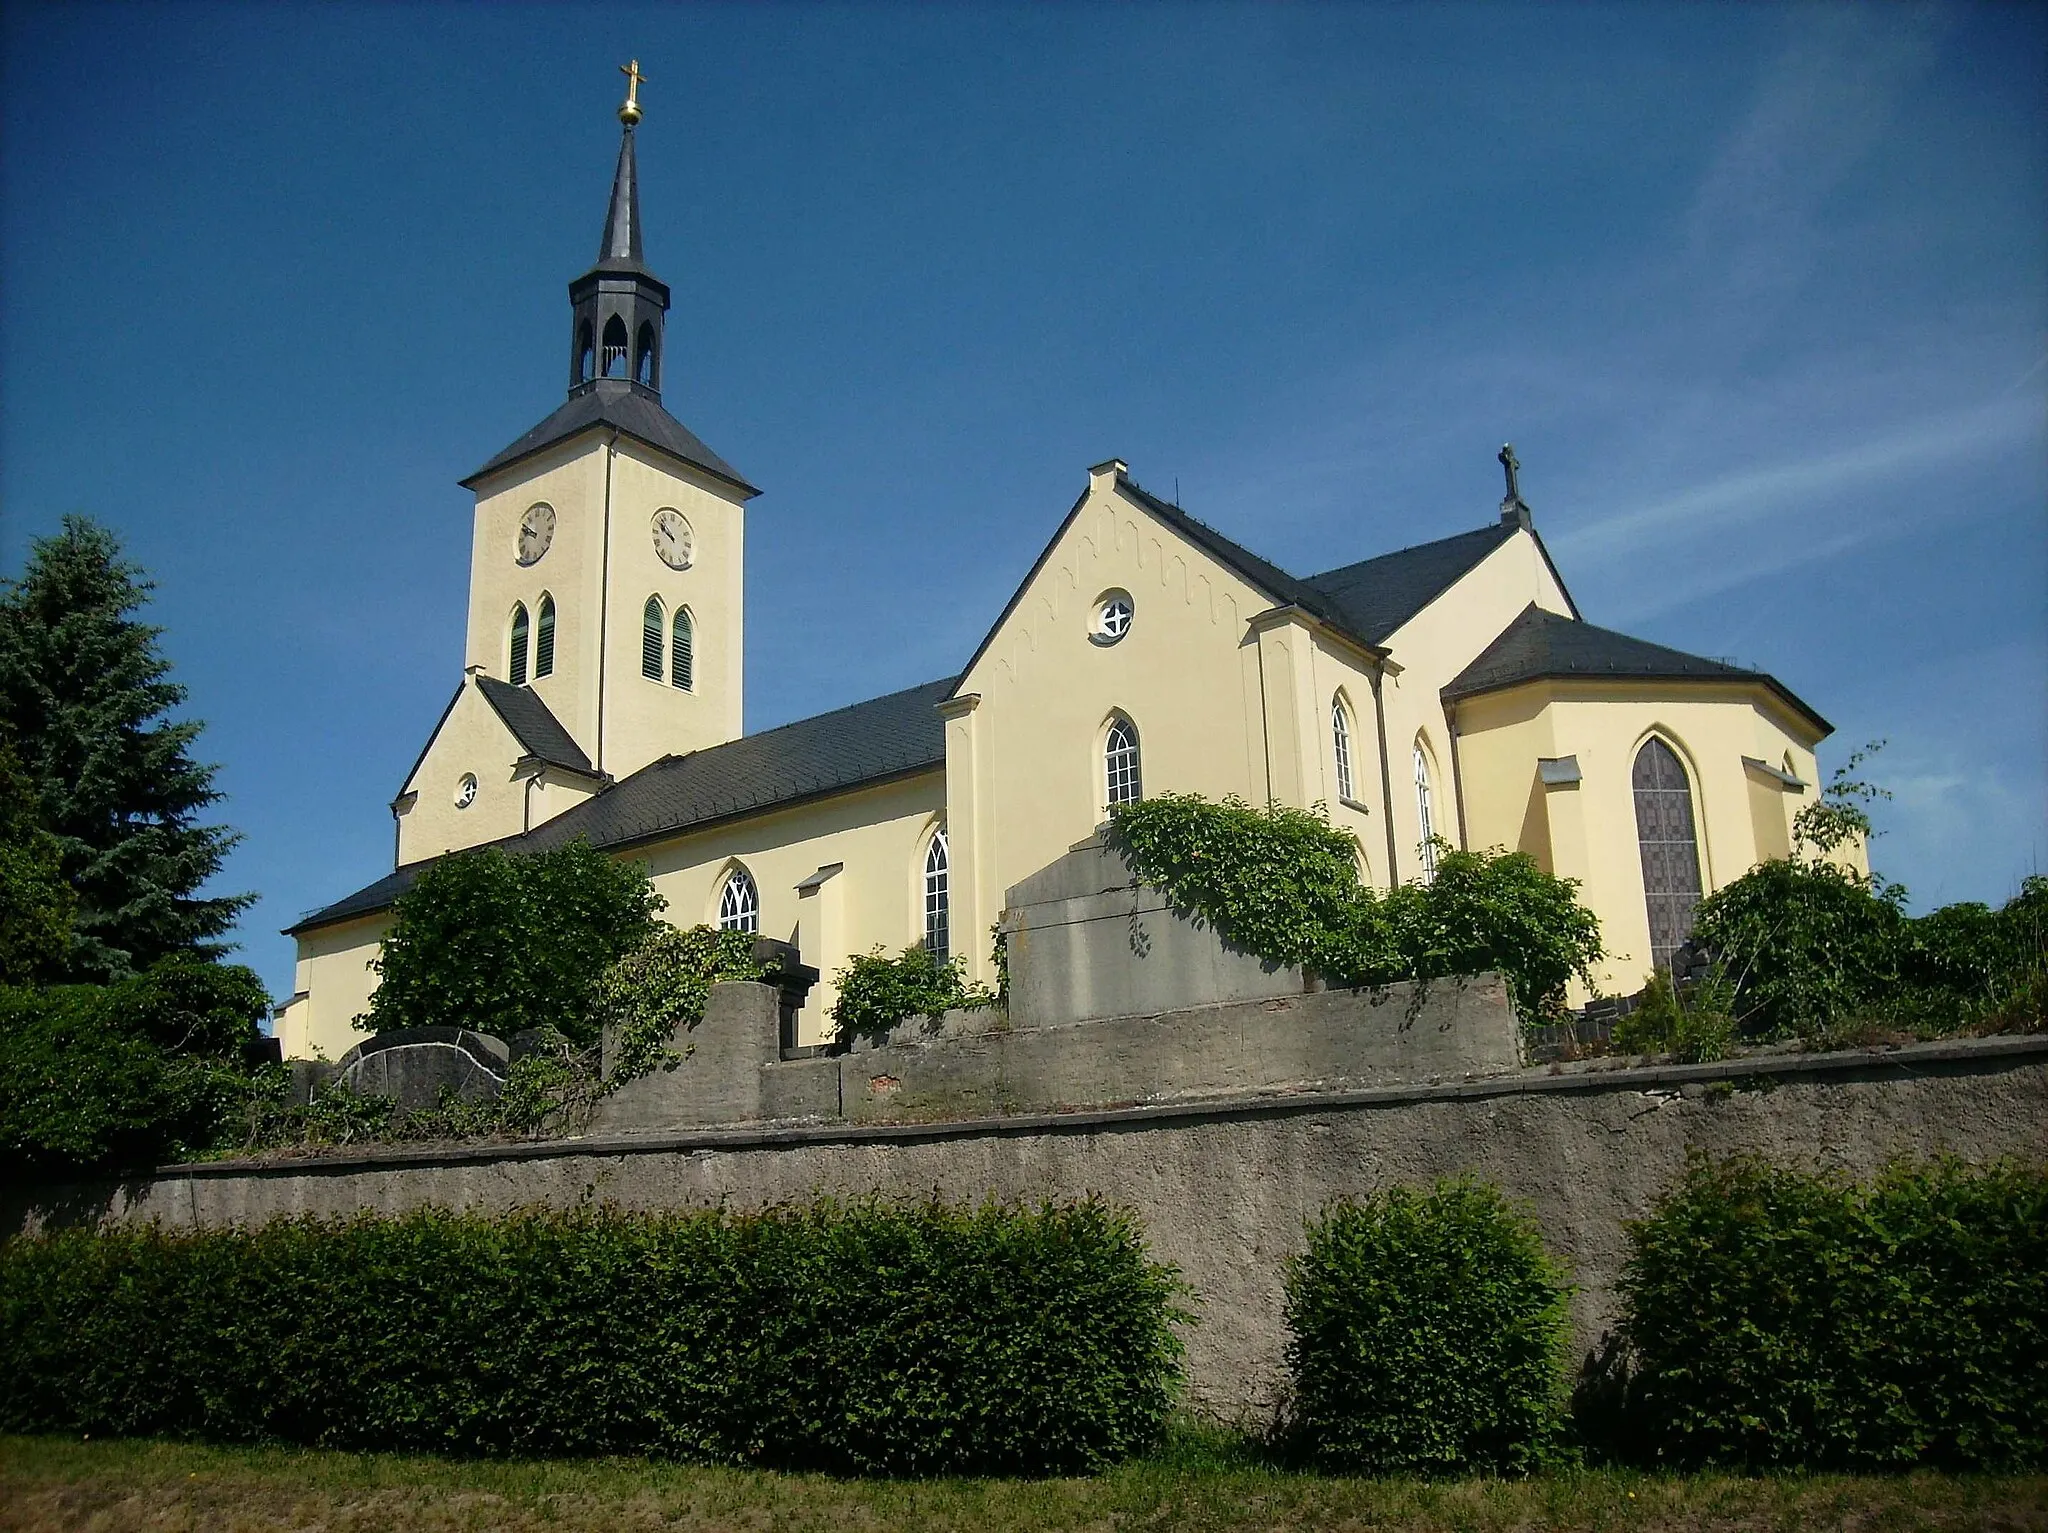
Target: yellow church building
[{"x": 1447, "y": 690}]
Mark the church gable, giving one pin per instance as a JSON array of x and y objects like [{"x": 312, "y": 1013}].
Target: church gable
[{"x": 469, "y": 784}]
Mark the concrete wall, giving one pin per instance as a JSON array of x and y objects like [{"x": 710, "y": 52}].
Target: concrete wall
[{"x": 1222, "y": 1188}]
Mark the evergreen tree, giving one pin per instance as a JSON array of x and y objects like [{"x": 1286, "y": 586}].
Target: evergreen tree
[
  {"x": 35, "y": 902},
  {"x": 84, "y": 694}
]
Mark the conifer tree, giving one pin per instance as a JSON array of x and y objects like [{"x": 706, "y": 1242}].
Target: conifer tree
[
  {"x": 84, "y": 699},
  {"x": 35, "y": 902}
]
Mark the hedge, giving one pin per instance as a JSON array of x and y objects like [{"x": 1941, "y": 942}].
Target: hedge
[
  {"x": 1782, "y": 1319},
  {"x": 870, "y": 1338},
  {"x": 1426, "y": 1336}
]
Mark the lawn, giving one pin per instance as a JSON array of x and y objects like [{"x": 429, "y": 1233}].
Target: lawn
[{"x": 51, "y": 1483}]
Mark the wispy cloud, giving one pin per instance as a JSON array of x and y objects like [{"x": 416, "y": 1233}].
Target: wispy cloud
[{"x": 1824, "y": 478}]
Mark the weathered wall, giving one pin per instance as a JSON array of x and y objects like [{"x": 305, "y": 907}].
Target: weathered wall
[{"x": 1222, "y": 1188}]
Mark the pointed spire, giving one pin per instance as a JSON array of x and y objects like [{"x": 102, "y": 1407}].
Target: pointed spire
[{"x": 621, "y": 243}]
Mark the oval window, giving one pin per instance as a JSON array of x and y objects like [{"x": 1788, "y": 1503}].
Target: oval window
[
  {"x": 1113, "y": 613},
  {"x": 465, "y": 791}
]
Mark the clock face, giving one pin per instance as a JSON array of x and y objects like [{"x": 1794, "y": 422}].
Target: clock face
[
  {"x": 536, "y": 532},
  {"x": 672, "y": 538}
]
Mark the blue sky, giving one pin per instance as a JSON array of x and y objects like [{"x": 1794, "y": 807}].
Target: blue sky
[{"x": 1760, "y": 294}]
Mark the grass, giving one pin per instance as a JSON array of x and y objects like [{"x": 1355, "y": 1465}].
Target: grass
[{"x": 1197, "y": 1483}]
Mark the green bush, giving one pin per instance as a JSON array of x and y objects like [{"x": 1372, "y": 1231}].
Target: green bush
[
  {"x": 1778, "y": 1319},
  {"x": 1813, "y": 949},
  {"x": 876, "y": 992},
  {"x": 499, "y": 943},
  {"x": 1283, "y": 884},
  {"x": 1426, "y": 1336},
  {"x": 1694, "y": 1025},
  {"x": 875, "y": 1338},
  {"x": 152, "y": 1068},
  {"x": 661, "y": 985}
]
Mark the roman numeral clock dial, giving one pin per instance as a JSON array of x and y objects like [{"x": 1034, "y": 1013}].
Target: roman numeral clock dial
[
  {"x": 536, "y": 532},
  {"x": 672, "y": 538}
]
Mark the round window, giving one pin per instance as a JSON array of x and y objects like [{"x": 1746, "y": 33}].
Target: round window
[
  {"x": 1112, "y": 617},
  {"x": 465, "y": 791}
]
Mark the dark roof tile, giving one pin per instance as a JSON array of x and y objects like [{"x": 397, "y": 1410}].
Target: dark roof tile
[
  {"x": 532, "y": 724},
  {"x": 875, "y": 741},
  {"x": 1374, "y": 597},
  {"x": 1540, "y": 644},
  {"x": 612, "y": 402}
]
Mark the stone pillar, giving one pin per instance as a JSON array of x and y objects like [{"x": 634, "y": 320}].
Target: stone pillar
[
  {"x": 821, "y": 938},
  {"x": 1287, "y": 687}
]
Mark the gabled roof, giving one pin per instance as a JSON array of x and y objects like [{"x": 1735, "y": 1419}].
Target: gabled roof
[
  {"x": 634, "y": 412},
  {"x": 872, "y": 742},
  {"x": 1365, "y": 602},
  {"x": 1375, "y": 597},
  {"x": 1539, "y": 645},
  {"x": 533, "y": 724}
]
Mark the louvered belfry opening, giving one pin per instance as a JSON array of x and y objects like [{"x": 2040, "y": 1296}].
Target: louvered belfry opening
[
  {"x": 544, "y": 640},
  {"x": 1670, "y": 847},
  {"x": 515, "y": 670},
  {"x": 650, "y": 639},
  {"x": 614, "y": 362},
  {"x": 683, "y": 652}
]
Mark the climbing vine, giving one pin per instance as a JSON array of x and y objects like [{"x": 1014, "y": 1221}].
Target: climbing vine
[{"x": 1283, "y": 884}]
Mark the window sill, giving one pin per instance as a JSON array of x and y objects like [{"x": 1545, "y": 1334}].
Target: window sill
[{"x": 1354, "y": 805}]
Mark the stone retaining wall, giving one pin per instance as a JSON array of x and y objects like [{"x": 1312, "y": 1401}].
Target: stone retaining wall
[{"x": 1222, "y": 1187}]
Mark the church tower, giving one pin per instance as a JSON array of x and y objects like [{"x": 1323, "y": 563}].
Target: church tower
[{"x": 606, "y": 579}]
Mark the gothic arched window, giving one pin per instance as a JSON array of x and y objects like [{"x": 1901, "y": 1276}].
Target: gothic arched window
[
  {"x": 1120, "y": 762},
  {"x": 739, "y": 903},
  {"x": 1425, "y": 813},
  {"x": 650, "y": 639},
  {"x": 516, "y": 667},
  {"x": 1670, "y": 847},
  {"x": 643, "y": 359},
  {"x": 1340, "y": 740},
  {"x": 937, "y": 905},
  {"x": 682, "y": 653},
  {"x": 586, "y": 354},
  {"x": 615, "y": 347},
  {"x": 544, "y": 639}
]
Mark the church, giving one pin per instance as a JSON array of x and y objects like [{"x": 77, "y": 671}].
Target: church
[{"x": 1446, "y": 693}]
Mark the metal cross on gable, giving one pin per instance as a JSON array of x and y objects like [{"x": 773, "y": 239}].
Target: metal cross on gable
[{"x": 1513, "y": 466}]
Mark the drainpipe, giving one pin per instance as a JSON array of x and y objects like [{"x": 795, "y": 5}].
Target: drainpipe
[
  {"x": 1457, "y": 777},
  {"x": 1379, "y": 714},
  {"x": 604, "y": 591}
]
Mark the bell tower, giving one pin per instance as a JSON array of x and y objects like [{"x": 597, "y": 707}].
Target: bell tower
[{"x": 606, "y": 588}]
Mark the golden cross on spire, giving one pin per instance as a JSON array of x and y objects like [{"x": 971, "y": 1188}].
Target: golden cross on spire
[{"x": 629, "y": 110}]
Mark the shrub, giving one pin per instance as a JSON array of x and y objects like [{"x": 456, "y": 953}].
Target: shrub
[
  {"x": 1283, "y": 884},
  {"x": 876, "y": 993},
  {"x": 1782, "y": 1319},
  {"x": 500, "y": 943},
  {"x": 1693, "y": 1024},
  {"x": 151, "y": 1068},
  {"x": 661, "y": 985},
  {"x": 1812, "y": 949},
  {"x": 1426, "y": 1336},
  {"x": 875, "y": 1338}
]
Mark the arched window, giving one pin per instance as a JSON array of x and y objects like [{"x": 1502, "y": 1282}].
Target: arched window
[
  {"x": 586, "y": 355},
  {"x": 516, "y": 667},
  {"x": 1340, "y": 738},
  {"x": 1120, "y": 762},
  {"x": 615, "y": 347},
  {"x": 682, "y": 653},
  {"x": 739, "y": 903},
  {"x": 1425, "y": 813},
  {"x": 937, "y": 910},
  {"x": 643, "y": 358},
  {"x": 1670, "y": 847},
  {"x": 650, "y": 639},
  {"x": 544, "y": 639}
]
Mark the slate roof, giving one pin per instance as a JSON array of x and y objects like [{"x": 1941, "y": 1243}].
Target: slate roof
[
  {"x": 875, "y": 741},
  {"x": 635, "y": 412},
  {"x": 1540, "y": 644},
  {"x": 1375, "y": 597},
  {"x": 533, "y": 724}
]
